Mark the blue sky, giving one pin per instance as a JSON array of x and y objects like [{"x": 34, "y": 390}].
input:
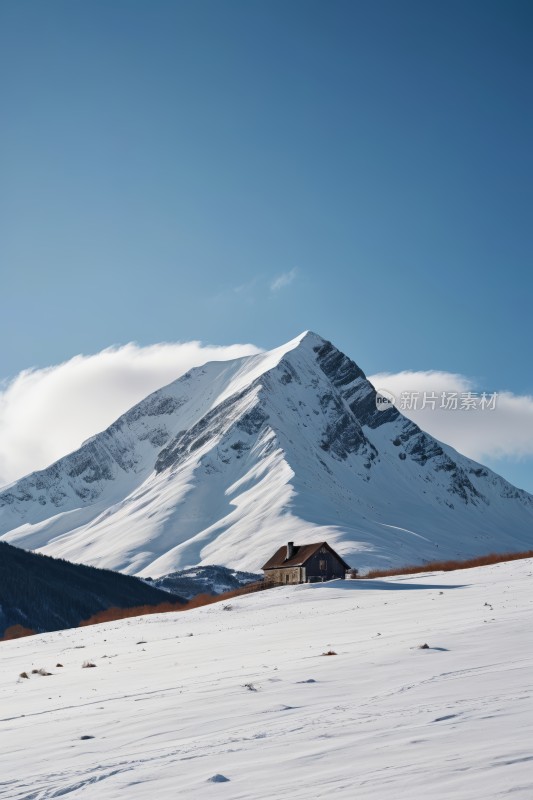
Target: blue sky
[{"x": 242, "y": 171}]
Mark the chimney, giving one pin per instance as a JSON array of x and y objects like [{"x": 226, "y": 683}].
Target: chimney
[{"x": 290, "y": 550}]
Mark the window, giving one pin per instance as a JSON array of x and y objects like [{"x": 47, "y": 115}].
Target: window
[
  {"x": 322, "y": 565},
  {"x": 286, "y": 577}
]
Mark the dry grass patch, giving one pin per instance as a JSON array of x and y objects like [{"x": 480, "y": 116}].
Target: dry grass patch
[
  {"x": 449, "y": 566},
  {"x": 16, "y": 632},
  {"x": 111, "y": 614}
]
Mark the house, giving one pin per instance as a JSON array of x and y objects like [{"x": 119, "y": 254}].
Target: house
[{"x": 304, "y": 563}]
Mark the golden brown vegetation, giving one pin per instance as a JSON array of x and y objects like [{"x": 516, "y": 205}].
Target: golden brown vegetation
[
  {"x": 16, "y": 632},
  {"x": 111, "y": 614},
  {"x": 448, "y": 566}
]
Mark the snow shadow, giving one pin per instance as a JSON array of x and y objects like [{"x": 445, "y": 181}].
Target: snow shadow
[{"x": 360, "y": 584}]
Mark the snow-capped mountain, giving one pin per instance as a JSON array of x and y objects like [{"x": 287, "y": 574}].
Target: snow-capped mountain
[
  {"x": 237, "y": 457},
  {"x": 212, "y": 579}
]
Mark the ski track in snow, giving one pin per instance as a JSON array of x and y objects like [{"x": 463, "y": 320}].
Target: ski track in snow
[{"x": 178, "y": 700}]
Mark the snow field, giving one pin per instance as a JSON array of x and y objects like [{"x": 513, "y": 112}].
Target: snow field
[{"x": 245, "y": 692}]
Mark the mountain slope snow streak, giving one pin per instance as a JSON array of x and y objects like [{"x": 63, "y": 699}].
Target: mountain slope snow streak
[{"x": 236, "y": 457}]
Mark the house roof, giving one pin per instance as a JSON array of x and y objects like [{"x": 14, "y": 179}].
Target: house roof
[{"x": 301, "y": 554}]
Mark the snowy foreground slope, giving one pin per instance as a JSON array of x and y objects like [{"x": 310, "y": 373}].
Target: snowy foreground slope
[
  {"x": 244, "y": 693},
  {"x": 237, "y": 457}
]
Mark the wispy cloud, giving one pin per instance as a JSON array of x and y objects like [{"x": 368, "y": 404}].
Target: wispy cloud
[
  {"x": 283, "y": 280},
  {"x": 47, "y": 413},
  {"x": 504, "y": 431},
  {"x": 241, "y": 293}
]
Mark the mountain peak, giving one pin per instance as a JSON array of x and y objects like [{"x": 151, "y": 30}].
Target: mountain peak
[
  {"x": 304, "y": 339},
  {"x": 311, "y": 337},
  {"x": 234, "y": 457}
]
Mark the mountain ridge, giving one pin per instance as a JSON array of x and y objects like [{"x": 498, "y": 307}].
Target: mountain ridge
[{"x": 222, "y": 464}]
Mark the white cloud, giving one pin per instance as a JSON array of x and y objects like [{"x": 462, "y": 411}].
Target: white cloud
[
  {"x": 283, "y": 280},
  {"x": 506, "y": 431},
  {"x": 47, "y": 413}
]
